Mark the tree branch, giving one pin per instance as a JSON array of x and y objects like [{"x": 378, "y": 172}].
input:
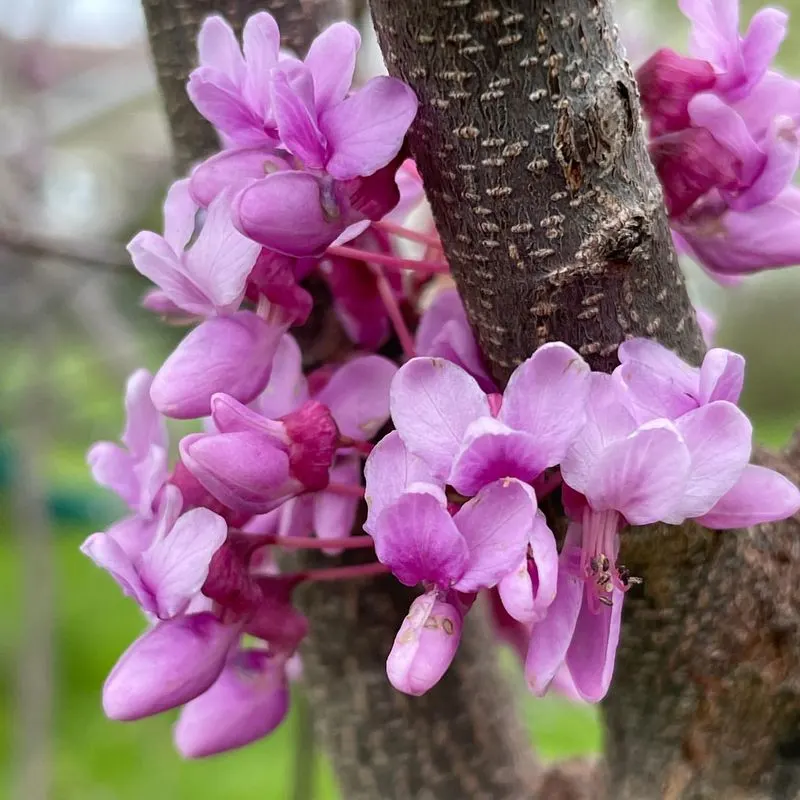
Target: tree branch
[{"x": 530, "y": 145}]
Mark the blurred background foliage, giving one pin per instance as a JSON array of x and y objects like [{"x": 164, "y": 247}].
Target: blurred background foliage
[{"x": 84, "y": 154}]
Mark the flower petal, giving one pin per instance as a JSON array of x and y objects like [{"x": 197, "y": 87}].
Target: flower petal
[
  {"x": 642, "y": 476},
  {"x": 285, "y": 212},
  {"x": 591, "y": 654},
  {"x": 287, "y": 389},
  {"x": 760, "y": 495},
  {"x": 721, "y": 376},
  {"x": 358, "y": 396},
  {"x": 425, "y": 645},
  {"x": 176, "y": 566},
  {"x": 388, "y": 472},
  {"x": 248, "y": 701},
  {"x": 497, "y": 525},
  {"x": 223, "y": 354},
  {"x": 332, "y": 61},
  {"x": 293, "y": 104},
  {"x": 110, "y": 556},
  {"x": 334, "y": 515},
  {"x": 491, "y": 451},
  {"x": 546, "y": 396},
  {"x": 220, "y": 260},
  {"x": 366, "y": 131},
  {"x": 432, "y": 403},
  {"x": 180, "y": 212},
  {"x": 719, "y": 439},
  {"x": 169, "y": 665},
  {"x": 217, "y": 47},
  {"x": 419, "y": 541}
]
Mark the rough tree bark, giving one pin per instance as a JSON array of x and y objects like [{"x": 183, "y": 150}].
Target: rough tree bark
[{"x": 531, "y": 148}]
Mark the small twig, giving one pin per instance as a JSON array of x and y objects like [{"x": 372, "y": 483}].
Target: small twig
[{"x": 99, "y": 255}]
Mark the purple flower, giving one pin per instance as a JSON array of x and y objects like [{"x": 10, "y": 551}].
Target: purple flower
[
  {"x": 231, "y": 87},
  {"x": 444, "y": 417},
  {"x": 208, "y": 278},
  {"x": 425, "y": 645},
  {"x": 347, "y": 137},
  {"x": 248, "y": 701},
  {"x": 660, "y": 384},
  {"x": 422, "y": 543},
  {"x": 231, "y": 354},
  {"x": 138, "y": 471},
  {"x": 302, "y": 213},
  {"x": 739, "y": 62},
  {"x": 444, "y": 332},
  {"x": 166, "y": 575},
  {"x": 168, "y": 666},
  {"x": 253, "y": 464}
]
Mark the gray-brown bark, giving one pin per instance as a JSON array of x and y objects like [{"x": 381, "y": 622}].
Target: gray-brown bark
[{"x": 530, "y": 145}]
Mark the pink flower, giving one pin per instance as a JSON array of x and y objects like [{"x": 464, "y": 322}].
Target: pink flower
[
  {"x": 444, "y": 417},
  {"x": 166, "y": 575},
  {"x": 168, "y": 666},
  {"x": 421, "y": 542},
  {"x": 208, "y": 278},
  {"x": 230, "y": 88},
  {"x": 248, "y": 701},
  {"x": 232, "y": 354},
  {"x": 138, "y": 471}
]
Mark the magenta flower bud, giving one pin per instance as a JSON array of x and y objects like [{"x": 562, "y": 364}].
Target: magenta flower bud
[
  {"x": 425, "y": 645},
  {"x": 169, "y": 665},
  {"x": 249, "y": 700},
  {"x": 247, "y": 471},
  {"x": 667, "y": 82},
  {"x": 276, "y": 620},
  {"x": 232, "y": 354},
  {"x": 314, "y": 438}
]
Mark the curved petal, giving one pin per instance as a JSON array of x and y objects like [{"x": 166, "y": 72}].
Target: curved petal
[
  {"x": 432, "y": 403},
  {"x": 496, "y": 525},
  {"x": 366, "y": 131},
  {"x": 112, "y": 467},
  {"x": 176, "y": 566},
  {"x": 172, "y": 663},
  {"x": 233, "y": 169},
  {"x": 293, "y": 104},
  {"x": 358, "y": 396},
  {"x": 248, "y": 701},
  {"x": 220, "y": 260},
  {"x": 287, "y": 389},
  {"x": 180, "y": 212},
  {"x": 109, "y": 555},
  {"x": 332, "y": 61},
  {"x": 286, "y": 212},
  {"x": 334, "y": 515},
  {"x": 261, "y": 41},
  {"x": 591, "y": 654},
  {"x": 388, "y": 472},
  {"x": 144, "y": 426},
  {"x": 217, "y": 47},
  {"x": 550, "y": 638},
  {"x": 491, "y": 451},
  {"x": 643, "y": 476},
  {"x": 721, "y": 376},
  {"x": 760, "y": 495},
  {"x": 223, "y": 354},
  {"x": 425, "y": 645},
  {"x": 719, "y": 439},
  {"x": 418, "y": 540},
  {"x": 546, "y": 396}
]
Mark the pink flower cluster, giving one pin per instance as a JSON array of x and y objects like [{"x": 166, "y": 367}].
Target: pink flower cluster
[
  {"x": 725, "y": 142},
  {"x": 312, "y": 187},
  {"x": 452, "y": 496}
]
